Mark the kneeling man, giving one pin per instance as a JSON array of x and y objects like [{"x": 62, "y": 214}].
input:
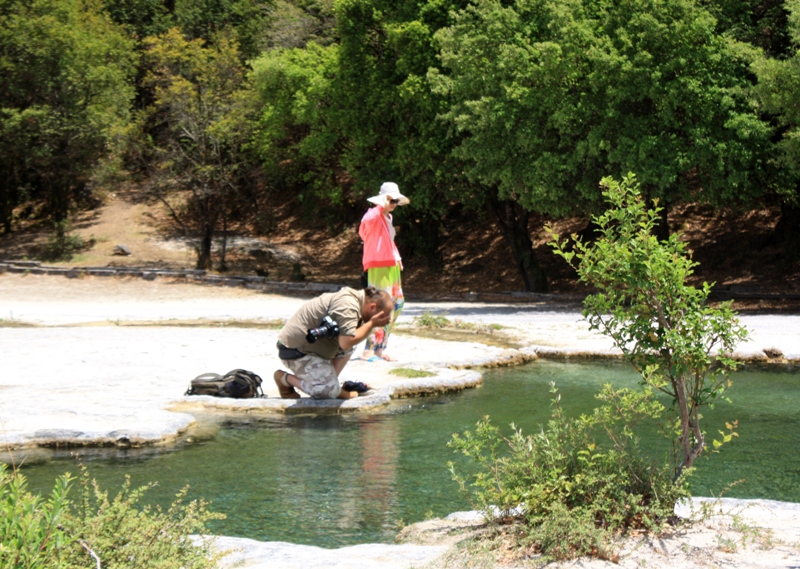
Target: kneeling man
[{"x": 316, "y": 351}]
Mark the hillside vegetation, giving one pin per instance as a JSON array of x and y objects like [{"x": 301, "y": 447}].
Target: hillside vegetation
[{"x": 245, "y": 135}]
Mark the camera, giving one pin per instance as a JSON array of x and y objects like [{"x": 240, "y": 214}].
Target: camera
[{"x": 328, "y": 328}]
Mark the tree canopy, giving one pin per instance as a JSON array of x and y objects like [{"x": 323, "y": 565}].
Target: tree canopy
[
  {"x": 554, "y": 95},
  {"x": 495, "y": 109},
  {"x": 66, "y": 87},
  {"x": 202, "y": 100}
]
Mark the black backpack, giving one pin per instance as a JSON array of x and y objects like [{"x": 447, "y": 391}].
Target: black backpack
[{"x": 237, "y": 383}]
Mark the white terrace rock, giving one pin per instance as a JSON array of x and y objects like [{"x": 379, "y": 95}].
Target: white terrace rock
[
  {"x": 279, "y": 555},
  {"x": 73, "y": 383},
  {"x": 114, "y": 384}
]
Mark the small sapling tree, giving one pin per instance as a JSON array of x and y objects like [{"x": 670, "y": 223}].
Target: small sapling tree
[
  {"x": 664, "y": 327},
  {"x": 201, "y": 112}
]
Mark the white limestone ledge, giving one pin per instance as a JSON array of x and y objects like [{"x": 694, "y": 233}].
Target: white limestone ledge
[
  {"x": 92, "y": 429},
  {"x": 279, "y": 555},
  {"x": 445, "y": 381},
  {"x": 497, "y": 358},
  {"x": 746, "y": 354},
  {"x": 766, "y": 533},
  {"x": 563, "y": 353},
  {"x": 369, "y": 401},
  {"x": 761, "y": 514}
]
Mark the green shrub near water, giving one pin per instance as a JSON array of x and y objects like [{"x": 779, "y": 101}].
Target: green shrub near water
[
  {"x": 63, "y": 244},
  {"x": 581, "y": 481},
  {"x": 438, "y": 321},
  {"x": 31, "y": 536},
  {"x": 663, "y": 325},
  {"x": 118, "y": 532},
  {"x": 430, "y": 320},
  {"x": 577, "y": 483},
  {"x": 411, "y": 372}
]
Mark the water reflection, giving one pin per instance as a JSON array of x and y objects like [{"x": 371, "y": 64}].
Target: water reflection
[
  {"x": 342, "y": 480},
  {"x": 324, "y": 480},
  {"x": 370, "y": 496}
]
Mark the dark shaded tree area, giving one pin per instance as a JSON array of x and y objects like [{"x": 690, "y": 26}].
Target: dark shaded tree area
[{"x": 508, "y": 108}]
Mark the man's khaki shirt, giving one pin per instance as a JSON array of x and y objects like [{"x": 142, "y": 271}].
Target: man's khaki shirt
[{"x": 344, "y": 307}]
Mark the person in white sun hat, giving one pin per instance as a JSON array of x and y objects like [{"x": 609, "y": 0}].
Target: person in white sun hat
[{"x": 382, "y": 261}]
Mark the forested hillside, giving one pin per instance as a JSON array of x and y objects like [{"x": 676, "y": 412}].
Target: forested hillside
[{"x": 277, "y": 118}]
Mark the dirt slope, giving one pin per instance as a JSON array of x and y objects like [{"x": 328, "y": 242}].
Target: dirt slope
[{"x": 735, "y": 250}]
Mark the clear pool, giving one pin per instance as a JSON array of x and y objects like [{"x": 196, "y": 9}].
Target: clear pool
[{"x": 334, "y": 481}]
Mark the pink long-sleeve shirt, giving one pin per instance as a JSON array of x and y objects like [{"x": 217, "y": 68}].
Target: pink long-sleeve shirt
[{"x": 379, "y": 247}]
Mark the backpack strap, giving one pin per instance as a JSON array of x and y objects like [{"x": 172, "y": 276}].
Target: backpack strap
[
  {"x": 203, "y": 377},
  {"x": 210, "y": 376}
]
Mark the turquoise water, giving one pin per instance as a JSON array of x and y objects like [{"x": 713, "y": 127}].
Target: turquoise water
[{"x": 334, "y": 481}]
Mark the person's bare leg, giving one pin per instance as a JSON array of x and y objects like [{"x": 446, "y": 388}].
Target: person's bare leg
[
  {"x": 293, "y": 380},
  {"x": 383, "y": 356}
]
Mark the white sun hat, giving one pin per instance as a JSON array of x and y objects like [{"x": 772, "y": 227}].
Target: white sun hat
[{"x": 391, "y": 190}]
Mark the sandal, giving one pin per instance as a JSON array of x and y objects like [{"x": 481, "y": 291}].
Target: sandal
[{"x": 286, "y": 391}]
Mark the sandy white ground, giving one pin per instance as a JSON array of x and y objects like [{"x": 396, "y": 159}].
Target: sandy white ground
[{"x": 81, "y": 375}]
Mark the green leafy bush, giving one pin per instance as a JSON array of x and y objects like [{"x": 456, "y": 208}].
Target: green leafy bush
[
  {"x": 117, "y": 532},
  {"x": 662, "y": 325},
  {"x": 30, "y": 533},
  {"x": 430, "y": 320},
  {"x": 579, "y": 481},
  {"x": 126, "y": 535}
]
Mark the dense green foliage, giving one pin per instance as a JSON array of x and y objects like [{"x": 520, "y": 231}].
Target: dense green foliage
[
  {"x": 555, "y": 95},
  {"x": 118, "y": 532},
  {"x": 663, "y": 326},
  {"x": 500, "y": 110},
  {"x": 299, "y": 149},
  {"x": 30, "y": 532},
  {"x": 209, "y": 19},
  {"x": 778, "y": 91},
  {"x": 577, "y": 483},
  {"x": 66, "y": 89},
  {"x": 246, "y": 20}
]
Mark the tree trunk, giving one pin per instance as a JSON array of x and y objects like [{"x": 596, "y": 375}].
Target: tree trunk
[
  {"x": 6, "y": 207},
  {"x": 787, "y": 230},
  {"x": 222, "y": 264},
  {"x": 58, "y": 198},
  {"x": 424, "y": 237},
  {"x": 513, "y": 221},
  {"x": 662, "y": 228},
  {"x": 204, "y": 251},
  {"x": 59, "y": 184}
]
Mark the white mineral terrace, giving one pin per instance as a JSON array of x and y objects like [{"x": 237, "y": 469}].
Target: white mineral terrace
[{"x": 83, "y": 375}]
